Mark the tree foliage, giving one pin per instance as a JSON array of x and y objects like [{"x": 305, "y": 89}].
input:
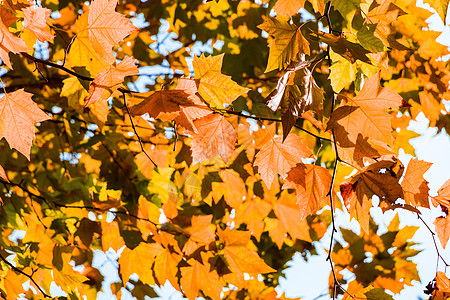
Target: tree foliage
[{"x": 211, "y": 170}]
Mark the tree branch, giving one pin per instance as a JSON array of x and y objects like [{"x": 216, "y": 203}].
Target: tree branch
[{"x": 17, "y": 270}]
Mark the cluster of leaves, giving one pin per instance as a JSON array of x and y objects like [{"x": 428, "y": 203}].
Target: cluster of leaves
[{"x": 205, "y": 180}]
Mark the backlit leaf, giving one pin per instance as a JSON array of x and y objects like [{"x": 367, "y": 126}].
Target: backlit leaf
[{"x": 18, "y": 114}]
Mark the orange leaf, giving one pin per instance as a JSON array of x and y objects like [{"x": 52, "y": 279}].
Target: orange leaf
[
  {"x": 442, "y": 225},
  {"x": 107, "y": 28},
  {"x": 291, "y": 216},
  {"x": 145, "y": 255},
  {"x": 201, "y": 233},
  {"x": 164, "y": 105},
  {"x": 166, "y": 268},
  {"x": 415, "y": 187},
  {"x": 365, "y": 114},
  {"x": 312, "y": 184},
  {"x": 35, "y": 19},
  {"x": 106, "y": 82},
  {"x": 443, "y": 197},
  {"x": 189, "y": 113},
  {"x": 279, "y": 157},
  {"x": 240, "y": 258},
  {"x": 288, "y": 7},
  {"x": 196, "y": 277},
  {"x": 215, "y": 136},
  {"x": 10, "y": 42},
  {"x": 18, "y": 113}
]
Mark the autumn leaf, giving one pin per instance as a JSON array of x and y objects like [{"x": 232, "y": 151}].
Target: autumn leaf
[
  {"x": 18, "y": 113},
  {"x": 107, "y": 28},
  {"x": 189, "y": 113},
  {"x": 35, "y": 19},
  {"x": 290, "y": 214},
  {"x": 443, "y": 197},
  {"x": 107, "y": 82},
  {"x": 239, "y": 257},
  {"x": 365, "y": 114},
  {"x": 442, "y": 226},
  {"x": 288, "y": 7},
  {"x": 164, "y": 105},
  {"x": 415, "y": 187},
  {"x": 215, "y": 136},
  {"x": 278, "y": 157},
  {"x": 312, "y": 184},
  {"x": 145, "y": 254},
  {"x": 288, "y": 42},
  {"x": 197, "y": 277},
  {"x": 440, "y": 6},
  {"x": 381, "y": 179},
  {"x": 82, "y": 53},
  {"x": 9, "y": 42},
  {"x": 201, "y": 233},
  {"x": 166, "y": 267},
  {"x": 214, "y": 87},
  {"x": 340, "y": 45}
]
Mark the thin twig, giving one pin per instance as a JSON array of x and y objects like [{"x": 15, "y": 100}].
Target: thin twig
[
  {"x": 17, "y": 270},
  {"x": 240, "y": 114},
  {"x": 135, "y": 132},
  {"x": 434, "y": 240}
]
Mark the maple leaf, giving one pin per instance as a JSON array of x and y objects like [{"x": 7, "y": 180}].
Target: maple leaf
[
  {"x": 197, "y": 277},
  {"x": 288, "y": 42},
  {"x": 311, "y": 184},
  {"x": 442, "y": 226},
  {"x": 108, "y": 81},
  {"x": 200, "y": 233},
  {"x": 107, "y": 28},
  {"x": 239, "y": 257},
  {"x": 82, "y": 53},
  {"x": 9, "y": 42},
  {"x": 35, "y": 19},
  {"x": 279, "y": 157},
  {"x": 340, "y": 45},
  {"x": 189, "y": 113},
  {"x": 365, "y": 114},
  {"x": 288, "y": 7},
  {"x": 145, "y": 254},
  {"x": 443, "y": 197},
  {"x": 291, "y": 214},
  {"x": 381, "y": 179},
  {"x": 214, "y": 87},
  {"x": 215, "y": 136},
  {"x": 166, "y": 268},
  {"x": 18, "y": 113},
  {"x": 415, "y": 187},
  {"x": 164, "y": 105}
]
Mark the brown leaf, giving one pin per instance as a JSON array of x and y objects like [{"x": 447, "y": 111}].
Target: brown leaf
[{"x": 381, "y": 179}]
